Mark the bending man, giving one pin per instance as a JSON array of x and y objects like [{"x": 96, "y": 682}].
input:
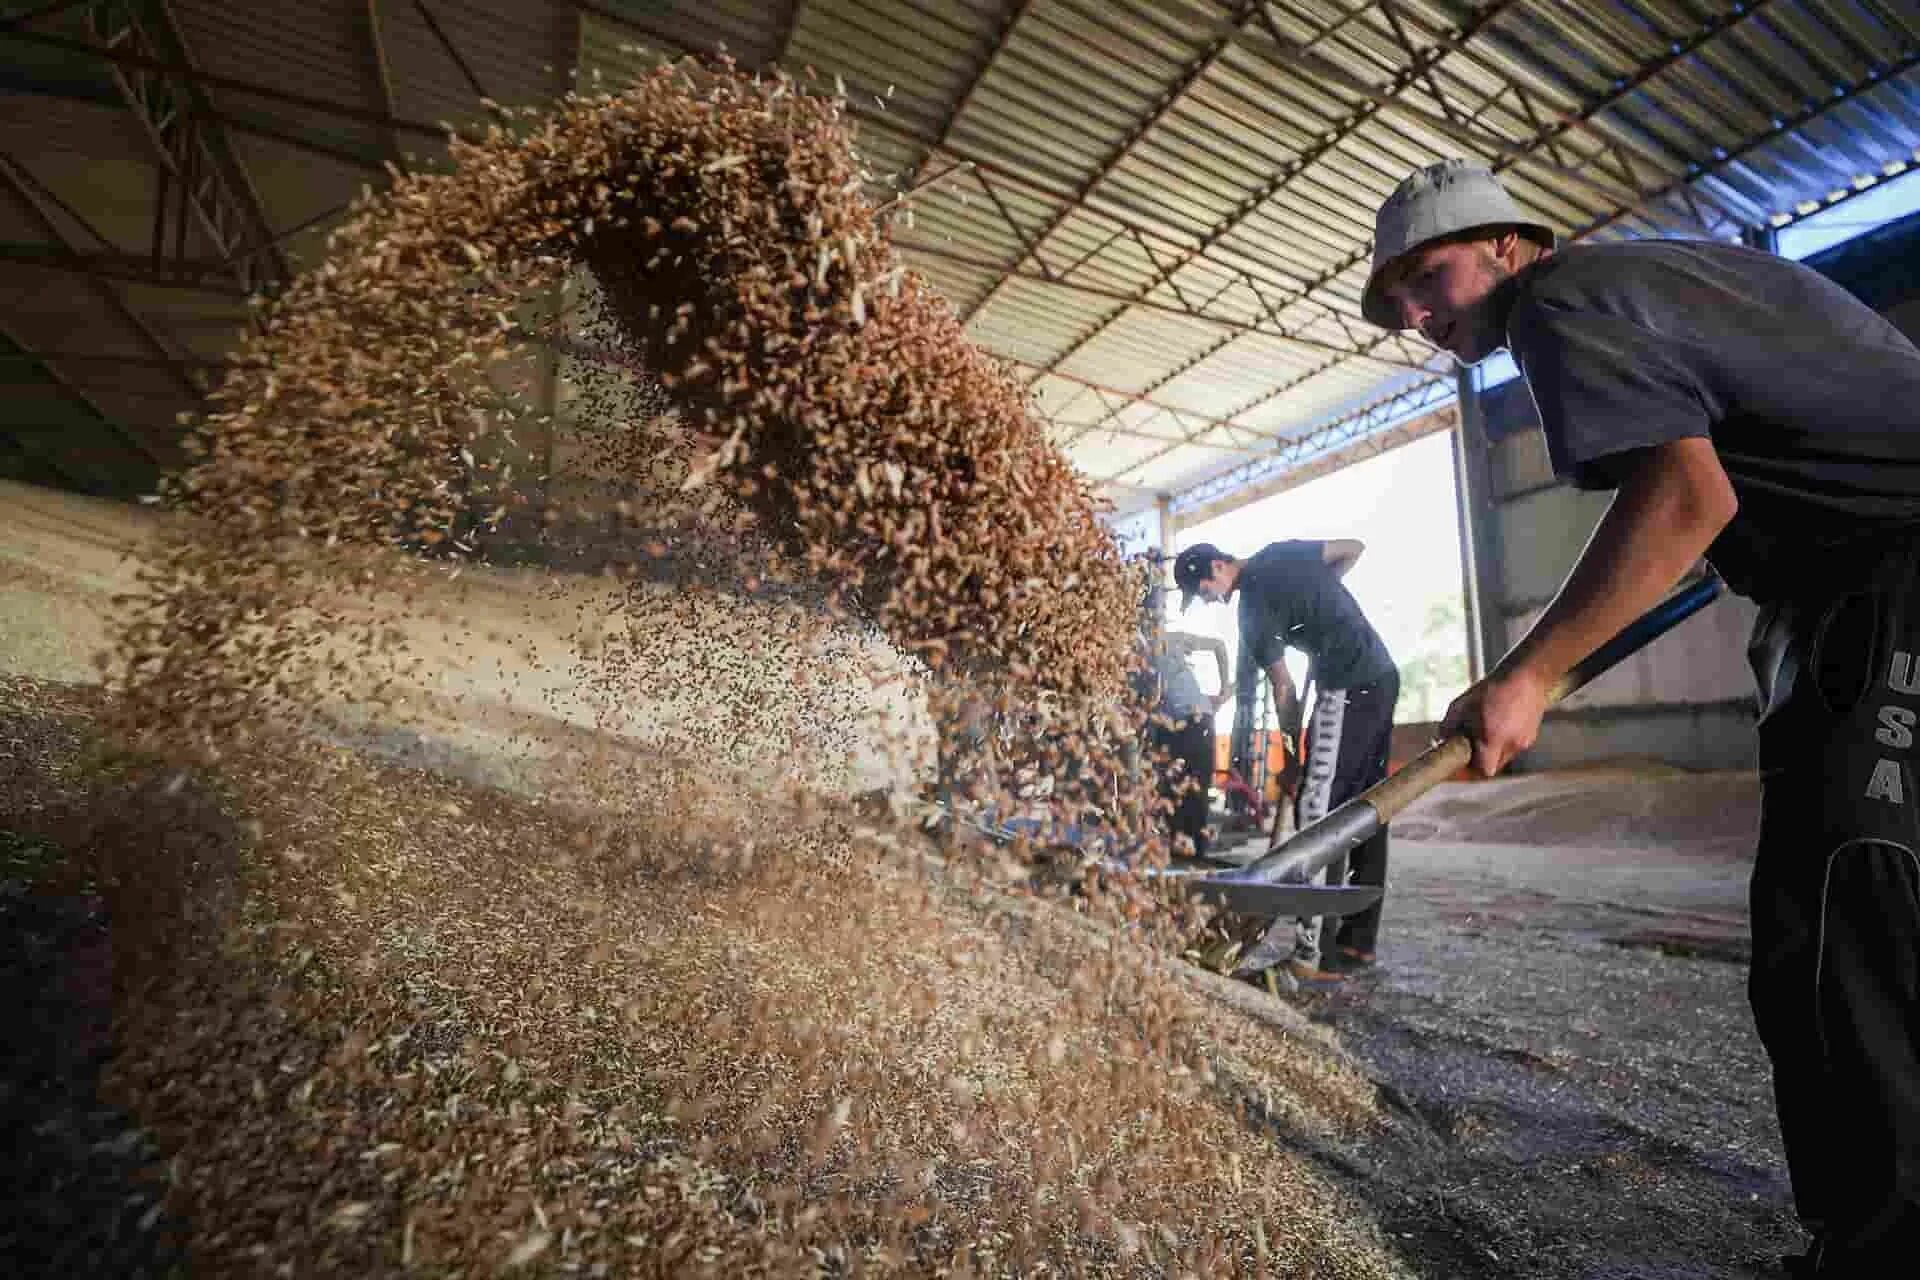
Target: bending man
[
  {"x": 1744, "y": 408},
  {"x": 1291, "y": 596}
]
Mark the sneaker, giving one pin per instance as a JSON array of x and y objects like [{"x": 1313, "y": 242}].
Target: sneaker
[{"x": 1312, "y": 977}]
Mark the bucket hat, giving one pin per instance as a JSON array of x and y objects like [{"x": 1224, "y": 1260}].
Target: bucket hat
[{"x": 1434, "y": 202}]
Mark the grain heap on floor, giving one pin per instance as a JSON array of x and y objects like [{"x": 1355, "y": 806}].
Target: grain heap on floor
[{"x": 395, "y": 1021}]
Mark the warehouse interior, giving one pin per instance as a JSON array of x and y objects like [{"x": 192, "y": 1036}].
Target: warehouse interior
[{"x": 1158, "y": 216}]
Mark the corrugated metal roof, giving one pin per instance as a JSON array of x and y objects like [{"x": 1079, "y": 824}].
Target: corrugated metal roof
[{"x": 1167, "y": 214}]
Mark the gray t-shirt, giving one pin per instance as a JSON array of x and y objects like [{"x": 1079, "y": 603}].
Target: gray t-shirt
[
  {"x": 1811, "y": 398},
  {"x": 1180, "y": 692}
]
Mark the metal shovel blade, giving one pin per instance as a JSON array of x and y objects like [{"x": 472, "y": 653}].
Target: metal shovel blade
[
  {"x": 1254, "y": 898},
  {"x": 1283, "y": 901}
]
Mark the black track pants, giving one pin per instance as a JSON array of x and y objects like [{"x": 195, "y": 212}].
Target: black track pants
[
  {"x": 1348, "y": 741},
  {"x": 1835, "y": 983}
]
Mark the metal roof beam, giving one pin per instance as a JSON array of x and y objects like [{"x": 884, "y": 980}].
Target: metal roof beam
[
  {"x": 1235, "y": 328},
  {"x": 207, "y": 276},
  {"x": 196, "y": 161},
  {"x": 1786, "y": 122},
  {"x": 1312, "y": 456},
  {"x": 1191, "y": 74},
  {"x": 371, "y": 25},
  {"x": 21, "y": 182},
  {"x": 1549, "y": 133},
  {"x": 452, "y": 51},
  {"x": 1421, "y": 61},
  {"x": 286, "y": 97},
  {"x": 1629, "y": 84},
  {"x": 789, "y": 29},
  {"x": 880, "y": 121},
  {"x": 1377, "y": 416}
]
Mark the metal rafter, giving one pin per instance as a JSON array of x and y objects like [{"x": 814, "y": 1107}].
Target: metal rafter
[
  {"x": 1191, "y": 74},
  {"x": 1420, "y": 61},
  {"x": 1543, "y": 137},
  {"x": 108, "y": 357},
  {"x": 382, "y": 77},
  {"x": 1347, "y": 429},
  {"x": 174, "y": 67},
  {"x": 207, "y": 276},
  {"x": 788, "y": 30},
  {"x": 886, "y": 123},
  {"x": 1331, "y": 448},
  {"x": 1610, "y": 140},
  {"x": 21, "y": 182},
  {"x": 1132, "y": 433},
  {"x": 1251, "y": 440},
  {"x": 1782, "y": 124},
  {"x": 1233, "y": 327},
  {"x": 211, "y": 184},
  {"x": 452, "y": 51},
  {"x": 1001, "y": 38},
  {"x": 868, "y": 116},
  {"x": 1874, "y": 77},
  {"x": 1547, "y": 135}
]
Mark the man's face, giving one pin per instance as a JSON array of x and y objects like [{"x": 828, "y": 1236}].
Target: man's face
[
  {"x": 1213, "y": 588},
  {"x": 1442, "y": 291}
]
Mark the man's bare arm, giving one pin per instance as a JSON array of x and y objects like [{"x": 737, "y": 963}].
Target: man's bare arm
[
  {"x": 1286, "y": 703},
  {"x": 1185, "y": 643},
  {"x": 1670, "y": 507}
]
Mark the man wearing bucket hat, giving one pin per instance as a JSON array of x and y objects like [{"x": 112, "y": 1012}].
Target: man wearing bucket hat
[{"x": 1746, "y": 409}]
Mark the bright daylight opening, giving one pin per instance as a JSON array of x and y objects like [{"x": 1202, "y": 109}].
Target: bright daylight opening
[{"x": 1401, "y": 504}]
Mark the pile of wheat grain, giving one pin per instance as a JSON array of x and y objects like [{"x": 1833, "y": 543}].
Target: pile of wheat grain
[{"x": 804, "y": 994}]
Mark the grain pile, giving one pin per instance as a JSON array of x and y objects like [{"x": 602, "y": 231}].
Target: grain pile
[{"x": 387, "y": 1021}]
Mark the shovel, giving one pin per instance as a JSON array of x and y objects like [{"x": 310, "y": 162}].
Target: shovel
[{"x": 1334, "y": 836}]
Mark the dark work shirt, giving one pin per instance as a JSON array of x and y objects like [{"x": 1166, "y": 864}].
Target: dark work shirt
[
  {"x": 1810, "y": 397},
  {"x": 1290, "y": 598}
]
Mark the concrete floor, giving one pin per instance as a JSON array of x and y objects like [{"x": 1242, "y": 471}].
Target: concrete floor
[{"x": 1562, "y": 1027}]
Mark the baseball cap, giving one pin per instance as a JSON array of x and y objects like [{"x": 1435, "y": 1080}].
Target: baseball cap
[{"x": 1192, "y": 566}]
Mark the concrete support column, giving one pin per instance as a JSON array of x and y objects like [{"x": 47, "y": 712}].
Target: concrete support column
[{"x": 1479, "y": 531}]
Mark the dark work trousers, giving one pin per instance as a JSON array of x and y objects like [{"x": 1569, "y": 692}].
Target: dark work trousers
[
  {"x": 1835, "y": 982},
  {"x": 1186, "y": 774},
  {"x": 1348, "y": 741}
]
